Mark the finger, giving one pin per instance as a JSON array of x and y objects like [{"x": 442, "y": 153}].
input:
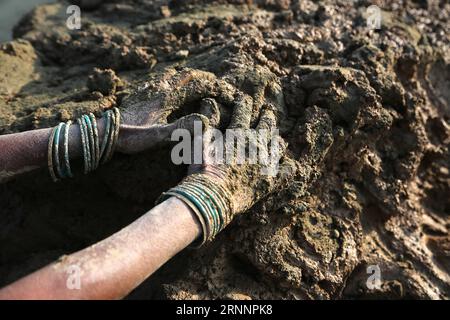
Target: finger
[
  {"x": 199, "y": 164},
  {"x": 188, "y": 87},
  {"x": 163, "y": 133},
  {"x": 271, "y": 145},
  {"x": 190, "y": 122},
  {"x": 210, "y": 109},
  {"x": 242, "y": 113},
  {"x": 268, "y": 119},
  {"x": 276, "y": 148}
]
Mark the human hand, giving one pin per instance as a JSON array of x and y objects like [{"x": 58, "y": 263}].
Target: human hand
[
  {"x": 220, "y": 188},
  {"x": 247, "y": 166},
  {"x": 154, "y": 110}
]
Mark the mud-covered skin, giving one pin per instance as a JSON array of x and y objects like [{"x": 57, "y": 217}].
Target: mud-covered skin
[{"x": 365, "y": 115}]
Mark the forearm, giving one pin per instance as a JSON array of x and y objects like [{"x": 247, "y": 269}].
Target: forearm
[
  {"x": 27, "y": 151},
  {"x": 113, "y": 267}
]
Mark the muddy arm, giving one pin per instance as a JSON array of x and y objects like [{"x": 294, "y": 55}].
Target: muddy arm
[
  {"x": 27, "y": 151},
  {"x": 115, "y": 266},
  {"x": 112, "y": 268}
]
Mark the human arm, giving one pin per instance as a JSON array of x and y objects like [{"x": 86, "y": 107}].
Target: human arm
[
  {"x": 113, "y": 267},
  {"x": 27, "y": 151}
]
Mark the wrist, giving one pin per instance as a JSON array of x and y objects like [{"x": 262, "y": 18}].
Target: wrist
[
  {"x": 128, "y": 140},
  {"x": 209, "y": 199},
  {"x": 94, "y": 139}
]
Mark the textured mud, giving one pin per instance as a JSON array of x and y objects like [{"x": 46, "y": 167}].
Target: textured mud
[{"x": 366, "y": 115}]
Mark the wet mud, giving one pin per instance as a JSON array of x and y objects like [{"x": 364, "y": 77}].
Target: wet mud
[{"x": 365, "y": 115}]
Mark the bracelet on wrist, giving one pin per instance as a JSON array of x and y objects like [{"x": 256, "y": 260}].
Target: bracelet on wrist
[
  {"x": 93, "y": 153},
  {"x": 209, "y": 200}
]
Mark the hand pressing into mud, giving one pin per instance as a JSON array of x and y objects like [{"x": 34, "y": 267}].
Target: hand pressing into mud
[
  {"x": 147, "y": 113},
  {"x": 233, "y": 175}
]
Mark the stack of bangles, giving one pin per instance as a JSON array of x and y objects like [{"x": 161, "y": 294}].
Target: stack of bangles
[
  {"x": 93, "y": 152},
  {"x": 209, "y": 200}
]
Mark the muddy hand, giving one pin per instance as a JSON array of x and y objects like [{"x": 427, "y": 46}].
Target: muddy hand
[
  {"x": 147, "y": 112},
  {"x": 246, "y": 179},
  {"x": 234, "y": 174}
]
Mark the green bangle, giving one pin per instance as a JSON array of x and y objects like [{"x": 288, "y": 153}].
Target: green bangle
[
  {"x": 204, "y": 237},
  {"x": 56, "y": 151},
  {"x": 110, "y": 139},
  {"x": 96, "y": 140},
  {"x": 200, "y": 207},
  {"x": 221, "y": 194},
  {"x": 50, "y": 155},
  {"x": 195, "y": 206},
  {"x": 116, "y": 136},
  {"x": 111, "y": 134},
  {"x": 88, "y": 142},
  {"x": 212, "y": 209},
  {"x": 83, "y": 144},
  {"x": 116, "y": 115},
  {"x": 106, "y": 135},
  {"x": 207, "y": 198},
  {"x": 90, "y": 134},
  {"x": 221, "y": 205},
  {"x": 66, "y": 149},
  {"x": 211, "y": 197}
]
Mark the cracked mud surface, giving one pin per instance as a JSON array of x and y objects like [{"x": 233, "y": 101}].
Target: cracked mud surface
[{"x": 366, "y": 116}]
